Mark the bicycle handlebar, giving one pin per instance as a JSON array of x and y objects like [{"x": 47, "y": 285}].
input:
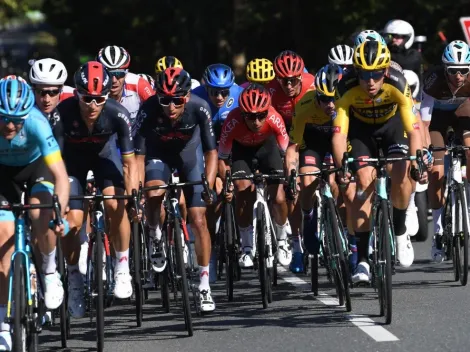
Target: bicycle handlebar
[{"x": 177, "y": 185}]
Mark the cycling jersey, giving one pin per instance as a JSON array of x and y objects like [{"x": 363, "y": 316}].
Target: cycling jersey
[
  {"x": 286, "y": 106},
  {"x": 156, "y": 134},
  {"x": 235, "y": 129},
  {"x": 220, "y": 114},
  {"x": 66, "y": 93},
  {"x": 352, "y": 101},
  {"x": 33, "y": 140}
]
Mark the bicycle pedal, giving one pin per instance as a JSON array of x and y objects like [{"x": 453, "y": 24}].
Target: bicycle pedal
[{"x": 362, "y": 284}]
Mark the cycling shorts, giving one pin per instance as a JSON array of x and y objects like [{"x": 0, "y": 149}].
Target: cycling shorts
[
  {"x": 318, "y": 145},
  {"x": 36, "y": 176},
  {"x": 458, "y": 119},
  {"x": 267, "y": 154},
  {"x": 190, "y": 166}
]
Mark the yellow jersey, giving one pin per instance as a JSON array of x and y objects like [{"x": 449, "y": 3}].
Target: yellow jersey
[{"x": 353, "y": 101}]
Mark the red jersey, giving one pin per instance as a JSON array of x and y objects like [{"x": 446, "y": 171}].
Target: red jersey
[
  {"x": 66, "y": 93},
  {"x": 285, "y": 105},
  {"x": 235, "y": 129}
]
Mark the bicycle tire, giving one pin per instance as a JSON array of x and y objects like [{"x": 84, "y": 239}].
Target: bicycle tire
[
  {"x": 463, "y": 238},
  {"x": 19, "y": 313},
  {"x": 63, "y": 313},
  {"x": 99, "y": 299},
  {"x": 230, "y": 256},
  {"x": 314, "y": 273},
  {"x": 385, "y": 256},
  {"x": 261, "y": 250},
  {"x": 421, "y": 201},
  {"x": 181, "y": 272},
  {"x": 139, "y": 296}
]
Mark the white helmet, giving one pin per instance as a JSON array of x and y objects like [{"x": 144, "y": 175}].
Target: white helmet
[
  {"x": 400, "y": 27},
  {"x": 368, "y": 35},
  {"x": 413, "y": 81},
  {"x": 341, "y": 55},
  {"x": 114, "y": 57},
  {"x": 456, "y": 53},
  {"x": 194, "y": 83},
  {"x": 47, "y": 71}
]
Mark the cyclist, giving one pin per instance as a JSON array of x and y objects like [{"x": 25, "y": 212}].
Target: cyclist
[
  {"x": 259, "y": 71},
  {"x": 375, "y": 101},
  {"x": 341, "y": 55},
  {"x": 176, "y": 132},
  {"x": 148, "y": 78},
  {"x": 310, "y": 143},
  {"x": 91, "y": 124},
  {"x": 288, "y": 96},
  {"x": 170, "y": 61},
  {"x": 29, "y": 154},
  {"x": 254, "y": 130},
  {"x": 400, "y": 36},
  {"x": 127, "y": 88},
  {"x": 446, "y": 90}
]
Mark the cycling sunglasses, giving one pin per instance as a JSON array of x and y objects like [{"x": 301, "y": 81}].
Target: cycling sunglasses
[
  {"x": 118, "y": 73},
  {"x": 260, "y": 116},
  {"x": 166, "y": 101},
  {"x": 214, "y": 92},
  {"x": 293, "y": 81},
  {"x": 325, "y": 99},
  {"x": 50, "y": 92},
  {"x": 97, "y": 99},
  {"x": 367, "y": 75},
  {"x": 15, "y": 121},
  {"x": 455, "y": 70}
]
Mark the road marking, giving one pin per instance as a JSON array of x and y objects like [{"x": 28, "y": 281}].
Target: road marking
[{"x": 367, "y": 325}]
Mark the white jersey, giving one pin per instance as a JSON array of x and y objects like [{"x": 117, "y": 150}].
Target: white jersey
[{"x": 136, "y": 91}]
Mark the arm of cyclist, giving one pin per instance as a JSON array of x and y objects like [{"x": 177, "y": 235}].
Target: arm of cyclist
[
  {"x": 339, "y": 140},
  {"x": 208, "y": 144},
  {"x": 225, "y": 148},
  {"x": 279, "y": 129},
  {"x": 144, "y": 89}
]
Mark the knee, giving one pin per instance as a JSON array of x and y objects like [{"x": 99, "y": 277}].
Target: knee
[
  {"x": 113, "y": 205},
  {"x": 364, "y": 178},
  {"x": 280, "y": 197},
  {"x": 199, "y": 222},
  {"x": 242, "y": 186}
]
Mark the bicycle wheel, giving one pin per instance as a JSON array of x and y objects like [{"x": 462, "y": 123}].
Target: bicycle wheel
[
  {"x": 261, "y": 250},
  {"x": 99, "y": 289},
  {"x": 461, "y": 238},
  {"x": 230, "y": 255},
  {"x": 139, "y": 295},
  {"x": 181, "y": 273},
  {"x": 384, "y": 263},
  {"x": 19, "y": 315},
  {"x": 314, "y": 273},
  {"x": 63, "y": 313}
]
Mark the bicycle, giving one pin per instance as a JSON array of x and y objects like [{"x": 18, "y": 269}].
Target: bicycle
[
  {"x": 26, "y": 322},
  {"x": 98, "y": 241},
  {"x": 456, "y": 219},
  {"x": 334, "y": 247},
  {"x": 382, "y": 246},
  {"x": 264, "y": 234},
  {"x": 177, "y": 275}
]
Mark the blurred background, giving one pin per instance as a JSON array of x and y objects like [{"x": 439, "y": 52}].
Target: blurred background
[{"x": 207, "y": 31}]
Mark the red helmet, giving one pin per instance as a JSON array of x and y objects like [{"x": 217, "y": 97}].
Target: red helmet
[
  {"x": 254, "y": 99},
  {"x": 288, "y": 64},
  {"x": 173, "y": 81},
  {"x": 92, "y": 79}
]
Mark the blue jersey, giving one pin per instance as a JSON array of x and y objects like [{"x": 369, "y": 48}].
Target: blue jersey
[
  {"x": 220, "y": 114},
  {"x": 34, "y": 140}
]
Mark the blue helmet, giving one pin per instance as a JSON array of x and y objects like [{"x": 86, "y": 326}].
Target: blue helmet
[
  {"x": 368, "y": 35},
  {"x": 218, "y": 76},
  {"x": 16, "y": 97},
  {"x": 456, "y": 53}
]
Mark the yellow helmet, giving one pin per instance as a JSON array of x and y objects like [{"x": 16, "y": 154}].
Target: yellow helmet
[
  {"x": 167, "y": 61},
  {"x": 371, "y": 56},
  {"x": 260, "y": 71}
]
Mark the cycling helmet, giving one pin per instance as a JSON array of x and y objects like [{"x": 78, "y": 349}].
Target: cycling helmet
[
  {"x": 173, "y": 81},
  {"x": 218, "y": 76},
  {"x": 456, "y": 53},
  {"x": 47, "y": 71},
  {"x": 413, "y": 81},
  {"x": 92, "y": 79},
  {"x": 114, "y": 57},
  {"x": 167, "y": 61},
  {"x": 327, "y": 79},
  {"x": 400, "y": 27},
  {"x": 16, "y": 97},
  {"x": 341, "y": 55},
  {"x": 148, "y": 78},
  {"x": 371, "y": 56},
  {"x": 288, "y": 64},
  {"x": 368, "y": 35},
  {"x": 260, "y": 71},
  {"x": 254, "y": 99}
]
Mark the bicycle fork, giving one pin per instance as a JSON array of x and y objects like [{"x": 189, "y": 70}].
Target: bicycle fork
[{"x": 268, "y": 230}]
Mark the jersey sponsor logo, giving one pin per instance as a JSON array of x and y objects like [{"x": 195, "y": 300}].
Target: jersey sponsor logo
[
  {"x": 175, "y": 135},
  {"x": 429, "y": 81},
  {"x": 205, "y": 111},
  {"x": 228, "y": 128},
  {"x": 310, "y": 160},
  {"x": 147, "y": 90},
  {"x": 124, "y": 117},
  {"x": 336, "y": 129},
  {"x": 230, "y": 102},
  {"x": 394, "y": 78},
  {"x": 305, "y": 102},
  {"x": 223, "y": 116},
  {"x": 279, "y": 123},
  {"x": 362, "y": 163},
  {"x": 376, "y": 112}
]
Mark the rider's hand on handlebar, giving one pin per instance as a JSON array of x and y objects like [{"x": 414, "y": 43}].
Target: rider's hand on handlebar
[
  {"x": 428, "y": 159},
  {"x": 210, "y": 198},
  {"x": 229, "y": 195},
  {"x": 344, "y": 179}
]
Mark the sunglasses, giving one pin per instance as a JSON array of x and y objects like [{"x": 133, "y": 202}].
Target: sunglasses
[
  {"x": 166, "y": 101},
  {"x": 293, "y": 81},
  {"x": 397, "y": 36},
  {"x": 367, "y": 75},
  {"x": 213, "y": 92},
  {"x": 456, "y": 70},
  {"x": 325, "y": 99},
  {"x": 15, "y": 121},
  {"x": 50, "y": 92},
  {"x": 260, "y": 116},
  {"x": 98, "y": 100},
  {"x": 118, "y": 73}
]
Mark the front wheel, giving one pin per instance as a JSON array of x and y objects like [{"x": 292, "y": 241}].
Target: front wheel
[
  {"x": 261, "y": 249},
  {"x": 462, "y": 237},
  {"x": 19, "y": 315},
  {"x": 421, "y": 201},
  {"x": 384, "y": 262}
]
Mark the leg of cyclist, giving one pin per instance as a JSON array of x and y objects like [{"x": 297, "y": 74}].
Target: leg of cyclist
[{"x": 213, "y": 220}]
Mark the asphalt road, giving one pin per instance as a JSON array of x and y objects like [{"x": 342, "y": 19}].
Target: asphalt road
[{"x": 430, "y": 313}]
